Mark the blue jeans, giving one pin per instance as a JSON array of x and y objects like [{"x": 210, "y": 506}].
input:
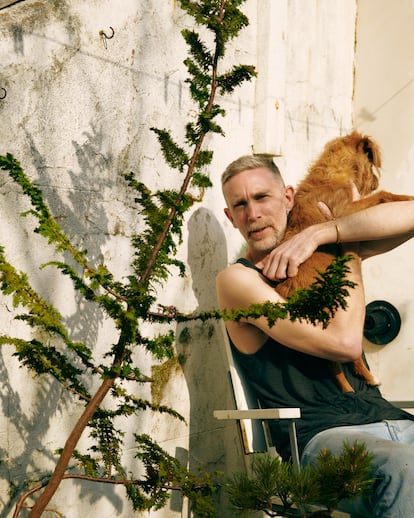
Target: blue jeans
[{"x": 392, "y": 444}]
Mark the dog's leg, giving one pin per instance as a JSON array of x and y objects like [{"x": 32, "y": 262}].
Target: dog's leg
[
  {"x": 361, "y": 370},
  {"x": 340, "y": 378}
]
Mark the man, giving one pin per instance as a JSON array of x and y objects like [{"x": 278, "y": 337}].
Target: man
[{"x": 286, "y": 364}]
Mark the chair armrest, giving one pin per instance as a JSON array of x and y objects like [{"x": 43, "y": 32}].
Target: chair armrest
[
  {"x": 268, "y": 413},
  {"x": 260, "y": 413}
]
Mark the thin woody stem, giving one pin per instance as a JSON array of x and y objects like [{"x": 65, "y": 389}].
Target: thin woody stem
[
  {"x": 190, "y": 168},
  {"x": 69, "y": 447}
]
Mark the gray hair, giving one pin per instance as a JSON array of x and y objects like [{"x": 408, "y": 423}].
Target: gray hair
[{"x": 247, "y": 162}]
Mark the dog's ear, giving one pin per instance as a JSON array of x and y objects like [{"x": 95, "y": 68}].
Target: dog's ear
[{"x": 371, "y": 149}]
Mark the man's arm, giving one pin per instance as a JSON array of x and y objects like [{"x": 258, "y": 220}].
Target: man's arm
[
  {"x": 239, "y": 287},
  {"x": 378, "y": 229}
]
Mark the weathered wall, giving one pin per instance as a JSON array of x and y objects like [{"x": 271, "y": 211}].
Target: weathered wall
[
  {"x": 77, "y": 115},
  {"x": 384, "y": 109}
]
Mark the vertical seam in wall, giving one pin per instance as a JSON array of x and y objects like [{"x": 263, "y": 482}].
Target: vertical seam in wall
[{"x": 354, "y": 65}]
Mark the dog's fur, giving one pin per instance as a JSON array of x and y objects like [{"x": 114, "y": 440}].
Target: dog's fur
[{"x": 345, "y": 160}]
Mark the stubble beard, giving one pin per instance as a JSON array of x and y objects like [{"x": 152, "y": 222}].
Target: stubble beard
[{"x": 269, "y": 243}]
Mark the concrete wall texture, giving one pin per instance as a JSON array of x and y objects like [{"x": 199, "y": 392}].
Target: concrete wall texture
[
  {"x": 384, "y": 108},
  {"x": 76, "y": 113}
]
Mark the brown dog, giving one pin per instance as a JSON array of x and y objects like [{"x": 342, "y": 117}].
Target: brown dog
[{"x": 345, "y": 161}]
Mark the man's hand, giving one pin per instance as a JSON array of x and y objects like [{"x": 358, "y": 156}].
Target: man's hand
[{"x": 284, "y": 261}]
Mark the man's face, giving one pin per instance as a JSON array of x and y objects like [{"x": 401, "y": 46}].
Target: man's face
[{"x": 257, "y": 205}]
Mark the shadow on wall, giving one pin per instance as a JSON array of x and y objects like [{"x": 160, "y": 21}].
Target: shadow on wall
[
  {"x": 207, "y": 255},
  {"x": 31, "y": 451},
  {"x": 199, "y": 346}
]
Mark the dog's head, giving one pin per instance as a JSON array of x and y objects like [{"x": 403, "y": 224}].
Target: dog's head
[{"x": 357, "y": 158}]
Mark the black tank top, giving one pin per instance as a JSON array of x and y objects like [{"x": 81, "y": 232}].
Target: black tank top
[{"x": 283, "y": 377}]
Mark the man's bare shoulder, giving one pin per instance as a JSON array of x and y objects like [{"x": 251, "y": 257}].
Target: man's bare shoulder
[
  {"x": 236, "y": 272},
  {"x": 233, "y": 283},
  {"x": 239, "y": 286}
]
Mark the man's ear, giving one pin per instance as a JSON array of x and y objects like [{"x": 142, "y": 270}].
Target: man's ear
[
  {"x": 290, "y": 197},
  {"x": 229, "y": 216}
]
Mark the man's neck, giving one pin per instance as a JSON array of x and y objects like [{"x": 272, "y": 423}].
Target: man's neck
[{"x": 256, "y": 257}]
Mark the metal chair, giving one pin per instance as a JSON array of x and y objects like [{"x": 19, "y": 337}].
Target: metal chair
[{"x": 252, "y": 419}]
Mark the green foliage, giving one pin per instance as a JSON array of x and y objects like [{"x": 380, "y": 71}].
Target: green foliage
[
  {"x": 223, "y": 18},
  {"x": 165, "y": 472},
  {"x": 154, "y": 209},
  {"x": 108, "y": 442},
  {"x": 278, "y": 489},
  {"x": 344, "y": 476},
  {"x": 270, "y": 477},
  {"x": 316, "y": 304},
  {"x": 326, "y": 295}
]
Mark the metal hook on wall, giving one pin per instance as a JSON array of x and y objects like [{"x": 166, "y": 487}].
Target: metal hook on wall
[
  {"x": 3, "y": 93},
  {"x": 105, "y": 37}
]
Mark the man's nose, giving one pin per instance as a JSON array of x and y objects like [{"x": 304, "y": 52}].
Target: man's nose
[{"x": 253, "y": 212}]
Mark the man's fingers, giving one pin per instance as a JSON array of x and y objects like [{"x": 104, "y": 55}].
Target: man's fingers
[
  {"x": 280, "y": 267},
  {"x": 276, "y": 266},
  {"x": 293, "y": 269}
]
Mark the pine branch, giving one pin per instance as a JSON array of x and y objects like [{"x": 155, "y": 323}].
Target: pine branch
[
  {"x": 322, "y": 485},
  {"x": 316, "y": 304}
]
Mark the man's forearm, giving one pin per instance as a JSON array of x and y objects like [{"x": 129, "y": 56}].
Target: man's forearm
[
  {"x": 382, "y": 228},
  {"x": 388, "y": 220}
]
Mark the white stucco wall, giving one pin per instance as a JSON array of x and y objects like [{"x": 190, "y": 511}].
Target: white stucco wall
[
  {"x": 384, "y": 109},
  {"x": 77, "y": 115}
]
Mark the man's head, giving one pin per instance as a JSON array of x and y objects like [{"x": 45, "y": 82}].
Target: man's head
[
  {"x": 248, "y": 162},
  {"x": 258, "y": 202}
]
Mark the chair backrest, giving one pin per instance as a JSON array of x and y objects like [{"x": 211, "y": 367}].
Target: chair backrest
[{"x": 252, "y": 430}]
